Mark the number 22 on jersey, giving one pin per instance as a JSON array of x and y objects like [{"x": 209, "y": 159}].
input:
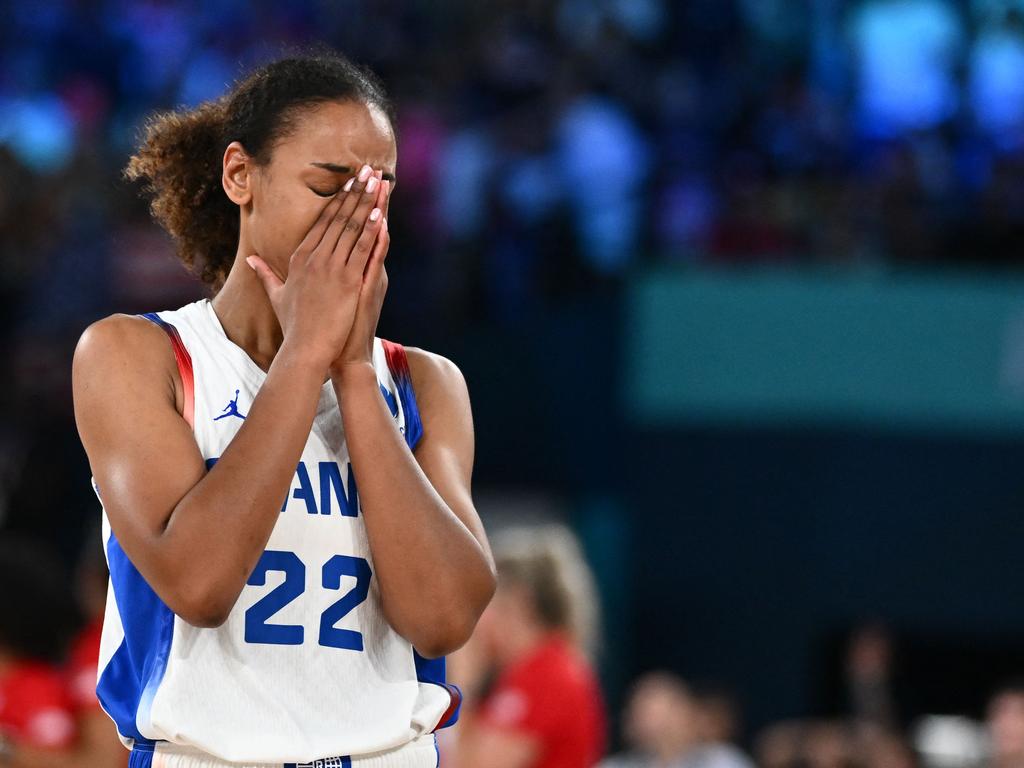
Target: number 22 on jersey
[{"x": 258, "y": 631}]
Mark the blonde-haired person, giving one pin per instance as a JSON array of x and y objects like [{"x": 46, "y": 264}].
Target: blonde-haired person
[{"x": 532, "y": 699}]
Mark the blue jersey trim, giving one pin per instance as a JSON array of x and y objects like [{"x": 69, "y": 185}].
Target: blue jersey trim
[
  {"x": 130, "y": 679},
  {"x": 434, "y": 671},
  {"x": 413, "y": 425},
  {"x": 427, "y": 670},
  {"x": 141, "y": 757},
  {"x": 398, "y": 364}
]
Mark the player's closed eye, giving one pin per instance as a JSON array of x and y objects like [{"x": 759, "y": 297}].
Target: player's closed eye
[{"x": 326, "y": 193}]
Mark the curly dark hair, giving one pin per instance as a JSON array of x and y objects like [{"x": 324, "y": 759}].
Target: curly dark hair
[{"x": 181, "y": 153}]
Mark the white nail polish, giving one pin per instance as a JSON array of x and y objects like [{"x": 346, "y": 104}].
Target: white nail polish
[
  {"x": 375, "y": 214},
  {"x": 348, "y": 184},
  {"x": 371, "y": 185}
]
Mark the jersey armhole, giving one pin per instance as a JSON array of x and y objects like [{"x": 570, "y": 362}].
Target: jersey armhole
[
  {"x": 398, "y": 364},
  {"x": 184, "y": 361}
]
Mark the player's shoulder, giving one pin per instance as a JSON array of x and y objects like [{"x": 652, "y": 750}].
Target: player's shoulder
[
  {"x": 121, "y": 345},
  {"x": 430, "y": 370},
  {"x": 118, "y": 332}
]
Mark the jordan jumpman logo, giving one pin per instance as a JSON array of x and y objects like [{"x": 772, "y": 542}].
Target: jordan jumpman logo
[{"x": 231, "y": 409}]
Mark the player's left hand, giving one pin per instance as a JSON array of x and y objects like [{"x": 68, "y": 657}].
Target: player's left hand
[{"x": 359, "y": 346}]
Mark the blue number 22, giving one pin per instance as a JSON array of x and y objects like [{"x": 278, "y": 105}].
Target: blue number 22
[{"x": 258, "y": 631}]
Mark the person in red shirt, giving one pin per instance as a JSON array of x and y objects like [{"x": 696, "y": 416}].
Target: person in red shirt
[
  {"x": 49, "y": 713},
  {"x": 34, "y": 709},
  {"x": 531, "y": 697},
  {"x": 37, "y": 725},
  {"x": 98, "y": 745},
  {"x": 82, "y": 667}
]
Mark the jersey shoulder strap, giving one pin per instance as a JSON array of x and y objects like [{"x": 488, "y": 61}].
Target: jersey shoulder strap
[
  {"x": 398, "y": 364},
  {"x": 184, "y": 361}
]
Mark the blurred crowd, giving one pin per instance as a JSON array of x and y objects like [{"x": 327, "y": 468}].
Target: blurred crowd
[
  {"x": 545, "y": 150},
  {"x": 544, "y": 146},
  {"x": 531, "y": 695}
]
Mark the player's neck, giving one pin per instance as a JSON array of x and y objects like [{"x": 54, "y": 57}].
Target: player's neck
[{"x": 245, "y": 313}]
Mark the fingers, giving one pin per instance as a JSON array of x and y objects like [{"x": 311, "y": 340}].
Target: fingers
[
  {"x": 386, "y": 195},
  {"x": 363, "y": 247},
  {"x": 355, "y": 241},
  {"x": 335, "y": 213},
  {"x": 271, "y": 282},
  {"x": 348, "y": 220},
  {"x": 375, "y": 271},
  {"x": 375, "y": 265},
  {"x": 316, "y": 232},
  {"x": 380, "y": 246}
]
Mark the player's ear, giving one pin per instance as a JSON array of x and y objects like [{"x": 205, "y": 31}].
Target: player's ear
[{"x": 237, "y": 178}]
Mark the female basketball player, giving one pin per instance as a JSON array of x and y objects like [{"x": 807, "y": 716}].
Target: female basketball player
[{"x": 286, "y": 497}]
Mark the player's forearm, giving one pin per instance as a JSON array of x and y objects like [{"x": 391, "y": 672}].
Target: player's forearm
[
  {"x": 217, "y": 532},
  {"x": 434, "y": 576}
]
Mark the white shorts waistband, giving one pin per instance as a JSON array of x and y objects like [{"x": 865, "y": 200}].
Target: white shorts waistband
[{"x": 421, "y": 752}]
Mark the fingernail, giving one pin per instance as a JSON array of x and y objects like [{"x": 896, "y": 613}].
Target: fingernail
[
  {"x": 375, "y": 214},
  {"x": 365, "y": 172},
  {"x": 348, "y": 184},
  {"x": 248, "y": 260},
  {"x": 371, "y": 185}
]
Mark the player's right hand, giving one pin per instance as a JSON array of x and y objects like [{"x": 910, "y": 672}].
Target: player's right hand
[{"x": 316, "y": 305}]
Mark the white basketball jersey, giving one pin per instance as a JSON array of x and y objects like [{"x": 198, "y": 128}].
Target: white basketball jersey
[{"x": 306, "y": 667}]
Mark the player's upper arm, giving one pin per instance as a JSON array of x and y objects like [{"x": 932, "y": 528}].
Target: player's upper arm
[
  {"x": 143, "y": 454},
  {"x": 445, "y": 451}
]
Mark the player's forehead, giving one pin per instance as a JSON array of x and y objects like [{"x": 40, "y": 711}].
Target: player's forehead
[{"x": 346, "y": 133}]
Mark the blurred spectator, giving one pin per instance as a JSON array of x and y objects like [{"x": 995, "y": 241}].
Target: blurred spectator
[
  {"x": 784, "y": 745},
  {"x": 98, "y": 745},
  {"x": 831, "y": 744},
  {"x": 665, "y": 726},
  {"x": 869, "y": 674},
  {"x": 49, "y": 713},
  {"x": 718, "y": 716},
  {"x": 36, "y": 619},
  {"x": 531, "y": 696},
  {"x": 1005, "y": 722},
  {"x": 906, "y": 53},
  {"x": 949, "y": 741},
  {"x": 997, "y": 81},
  {"x": 604, "y": 161}
]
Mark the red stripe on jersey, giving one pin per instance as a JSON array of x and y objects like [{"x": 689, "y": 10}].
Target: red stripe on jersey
[
  {"x": 184, "y": 361},
  {"x": 456, "y": 696}
]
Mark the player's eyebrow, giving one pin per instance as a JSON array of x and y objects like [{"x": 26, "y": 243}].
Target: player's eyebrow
[{"x": 347, "y": 169}]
